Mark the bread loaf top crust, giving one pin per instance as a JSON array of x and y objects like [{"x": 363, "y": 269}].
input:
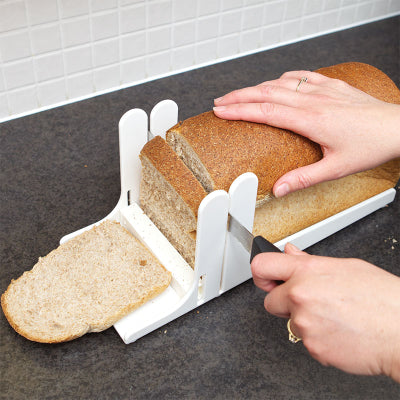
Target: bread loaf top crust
[{"x": 227, "y": 149}]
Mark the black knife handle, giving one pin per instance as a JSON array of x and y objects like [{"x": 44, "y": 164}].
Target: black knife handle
[{"x": 261, "y": 245}]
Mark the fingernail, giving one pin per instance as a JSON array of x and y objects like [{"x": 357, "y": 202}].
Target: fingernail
[
  {"x": 218, "y": 100},
  {"x": 219, "y": 109},
  {"x": 281, "y": 190}
]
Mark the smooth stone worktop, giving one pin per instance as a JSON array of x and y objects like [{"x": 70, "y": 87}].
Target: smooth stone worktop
[{"x": 60, "y": 172}]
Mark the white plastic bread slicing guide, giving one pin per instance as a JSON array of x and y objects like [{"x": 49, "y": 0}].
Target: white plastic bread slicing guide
[{"x": 221, "y": 262}]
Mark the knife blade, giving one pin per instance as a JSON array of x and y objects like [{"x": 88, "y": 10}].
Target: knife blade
[{"x": 254, "y": 245}]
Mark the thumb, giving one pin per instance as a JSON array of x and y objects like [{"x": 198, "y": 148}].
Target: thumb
[
  {"x": 305, "y": 177},
  {"x": 292, "y": 250}
]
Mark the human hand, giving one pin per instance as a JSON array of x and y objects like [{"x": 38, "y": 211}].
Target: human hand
[
  {"x": 345, "y": 310},
  {"x": 356, "y": 132}
]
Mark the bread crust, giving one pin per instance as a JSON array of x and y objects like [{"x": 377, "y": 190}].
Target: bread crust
[{"x": 244, "y": 146}]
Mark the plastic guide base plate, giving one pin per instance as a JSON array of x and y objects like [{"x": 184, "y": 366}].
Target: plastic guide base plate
[{"x": 221, "y": 263}]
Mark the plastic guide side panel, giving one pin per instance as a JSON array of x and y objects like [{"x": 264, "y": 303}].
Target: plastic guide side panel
[
  {"x": 174, "y": 302},
  {"x": 243, "y": 195},
  {"x": 133, "y": 127},
  {"x": 210, "y": 243},
  {"x": 163, "y": 116},
  {"x": 170, "y": 303}
]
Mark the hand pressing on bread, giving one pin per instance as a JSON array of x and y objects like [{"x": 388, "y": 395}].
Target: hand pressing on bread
[
  {"x": 345, "y": 312},
  {"x": 356, "y": 131}
]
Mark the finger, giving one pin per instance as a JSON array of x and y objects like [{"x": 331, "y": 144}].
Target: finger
[
  {"x": 312, "y": 77},
  {"x": 304, "y": 177},
  {"x": 276, "y": 302},
  {"x": 268, "y": 93},
  {"x": 279, "y": 115},
  {"x": 273, "y": 267}
]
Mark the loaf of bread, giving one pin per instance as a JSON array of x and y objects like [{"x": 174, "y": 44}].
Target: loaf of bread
[
  {"x": 206, "y": 153},
  {"x": 85, "y": 285}
]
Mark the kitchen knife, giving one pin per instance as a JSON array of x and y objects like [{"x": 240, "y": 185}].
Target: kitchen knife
[{"x": 254, "y": 245}]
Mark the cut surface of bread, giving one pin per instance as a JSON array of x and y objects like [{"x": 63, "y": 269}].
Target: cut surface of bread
[
  {"x": 170, "y": 195},
  {"x": 85, "y": 285}
]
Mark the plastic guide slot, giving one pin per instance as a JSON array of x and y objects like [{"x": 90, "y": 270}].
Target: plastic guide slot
[{"x": 221, "y": 263}]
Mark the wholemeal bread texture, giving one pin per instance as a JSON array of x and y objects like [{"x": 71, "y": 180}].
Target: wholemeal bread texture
[
  {"x": 212, "y": 152},
  {"x": 85, "y": 285}
]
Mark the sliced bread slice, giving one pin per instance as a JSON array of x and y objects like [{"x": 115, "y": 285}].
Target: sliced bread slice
[{"x": 85, "y": 285}]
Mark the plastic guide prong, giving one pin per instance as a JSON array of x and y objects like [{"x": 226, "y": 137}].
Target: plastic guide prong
[{"x": 242, "y": 202}]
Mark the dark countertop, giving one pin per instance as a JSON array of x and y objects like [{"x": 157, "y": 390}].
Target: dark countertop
[{"x": 60, "y": 172}]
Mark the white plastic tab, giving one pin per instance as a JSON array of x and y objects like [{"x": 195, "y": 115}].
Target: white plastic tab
[
  {"x": 133, "y": 128},
  {"x": 243, "y": 195},
  {"x": 163, "y": 116},
  {"x": 210, "y": 243}
]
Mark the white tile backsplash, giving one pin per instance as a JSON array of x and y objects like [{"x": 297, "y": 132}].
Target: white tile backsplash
[
  {"x": 206, "y": 51},
  {"x": 53, "y": 51},
  {"x": 12, "y": 15},
  {"x": 253, "y": 17},
  {"x": 49, "y": 66},
  {"x": 182, "y": 57},
  {"x": 207, "y": 7},
  {"x": 78, "y": 59},
  {"x": 51, "y": 92},
  {"x": 76, "y": 31},
  {"x": 79, "y": 85},
  {"x": 133, "y": 45},
  {"x": 133, "y": 70},
  {"x": 105, "y": 52},
  {"x": 15, "y": 45},
  {"x": 273, "y": 13},
  {"x": 42, "y": 11},
  {"x": 23, "y": 100},
  {"x": 158, "y": 39},
  {"x": 231, "y": 22},
  {"x": 157, "y": 64},
  {"x": 99, "y": 5},
  {"x": 133, "y": 18},
  {"x": 4, "y": 111},
  {"x": 45, "y": 38},
  {"x": 18, "y": 74},
  {"x": 207, "y": 27},
  {"x": 183, "y": 33},
  {"x": 159, "y": 12},
  {"x": 184, "y": 9},
  {"x": 72, "y": 8},
  {"x": 105, "y": 25},
  {"x": 106, "y": 77}
]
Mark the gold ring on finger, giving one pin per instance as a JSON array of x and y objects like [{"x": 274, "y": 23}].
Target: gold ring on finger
[{"x": 302, "y": 80}]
